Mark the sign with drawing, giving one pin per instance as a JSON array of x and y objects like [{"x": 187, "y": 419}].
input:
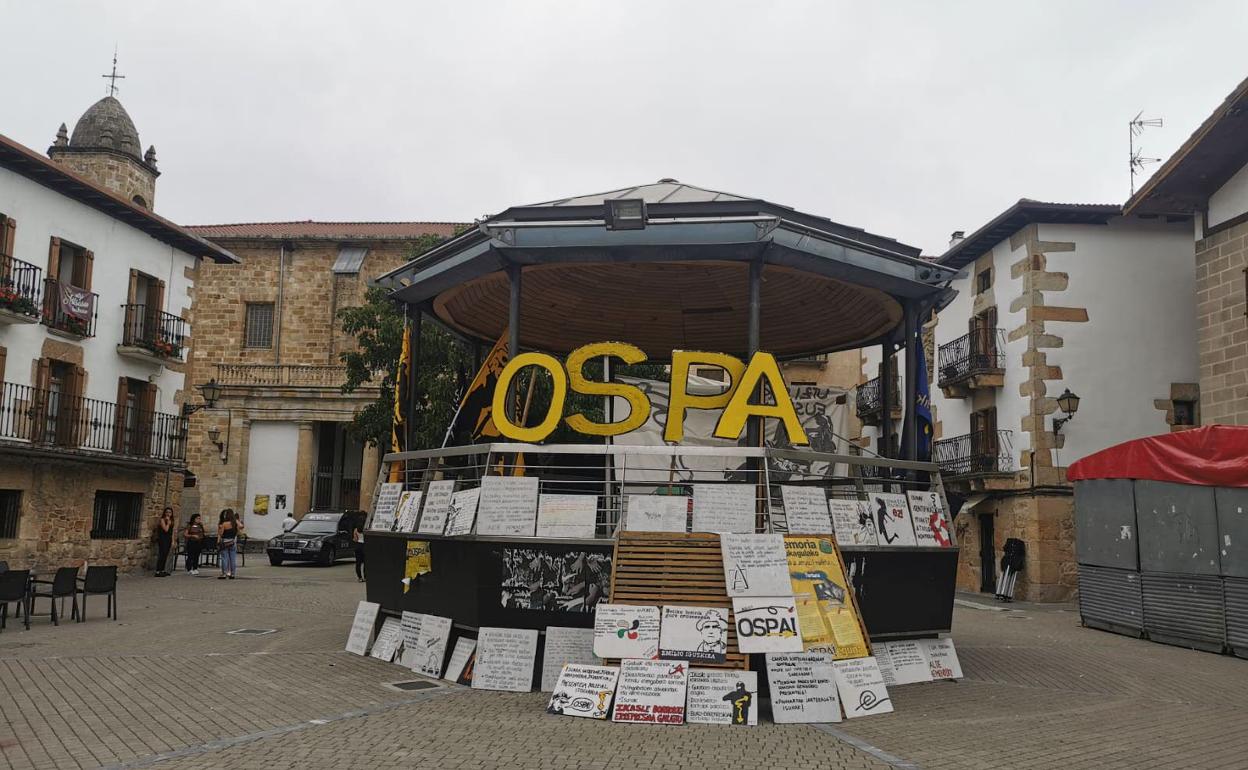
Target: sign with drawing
[
  {"x": 755, "y": 565},
  {"x": 657, "y": 513},
  {"x": 892, "y": 519},
  {"x": 462, "y": 512},
  {"x": 806, "y": 510},
  {"x": 697, "y": 634},
  {"x": 427, "y": 649},
  {"x": 803, "y": 688},
  {"x": 408, "y": 512},
  {"x": 437, "y": 507},
  {"x": 861, "y": 687},
  {"x": 626, "y": 631},
  {"x": 825, "y": 606},
  {"x": 508, "y": 506},
  {"x": 563, "y": 646},
  {"x": 722, "y": 697},
  {"x": 651, "y": 691},
  {"x": 853, "y": 522},
  {"x": 583, "y": 691},
  {"x": 388, "y": 640},
  {"x": 931, "y": 525},
  {"x": 767, "y": 624},
  {"x": 505, "y": 659},
  {"x": 459, "y": 669},
  {"x": 723, "y": 508}
]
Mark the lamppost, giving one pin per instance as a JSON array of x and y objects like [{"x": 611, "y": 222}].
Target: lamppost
[
  {"x": 211, "y": 391},
  {"x": 1069, "y": 404}
]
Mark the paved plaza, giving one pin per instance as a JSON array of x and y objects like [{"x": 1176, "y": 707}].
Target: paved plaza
[{"x": 168, "y": 687}]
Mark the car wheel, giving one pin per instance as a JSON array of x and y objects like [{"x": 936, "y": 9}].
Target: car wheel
[
  {"x": 276, "y": 561},
  {"x": 328, "y": 556}
]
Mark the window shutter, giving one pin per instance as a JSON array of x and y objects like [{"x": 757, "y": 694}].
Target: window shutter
[
  {"x": 76, "y": 415},
  {"x": 133, "y": 292},
  {"x": 4, "y": 353},
  {"x": 8, "y": 235},
  {"x": 54, "y": 259},
  {"x": 119, "y": 416},
  {"x": 39, "y": 400},
  {"x": 158, "y": 304},
  {"x": 147, "y": 419},
  {"x": 88, "y": 269}
]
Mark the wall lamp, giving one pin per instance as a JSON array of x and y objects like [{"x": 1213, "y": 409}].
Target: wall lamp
[
  {"x": 214, "y": 435},
  {"x": 1069, "y": 404},
  {"x": 211, "y": 391}
]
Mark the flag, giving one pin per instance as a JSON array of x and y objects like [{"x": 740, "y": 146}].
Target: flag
[
  {"x": 402, "y": 391},
  {"x": 923, "y": 406},
  {"x": 474, "y": 419}
]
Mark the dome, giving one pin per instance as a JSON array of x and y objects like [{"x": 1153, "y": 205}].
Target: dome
[{"x": 107, "y": 125}]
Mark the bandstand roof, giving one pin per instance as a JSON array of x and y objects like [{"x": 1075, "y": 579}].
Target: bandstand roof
[{"x": 679, "y": 283}]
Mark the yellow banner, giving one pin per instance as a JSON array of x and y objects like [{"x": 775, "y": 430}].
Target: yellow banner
[
  {"x": 825, "y": 605},
  {"x": 419, "y": 561}
]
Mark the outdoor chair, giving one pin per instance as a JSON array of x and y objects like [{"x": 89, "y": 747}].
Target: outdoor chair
[
  {"x": 14, "y": 587},
  {"x": 64, "y": 583},
  {"x": 4, "y": 567},
  {"x": 99, "y": 580}
]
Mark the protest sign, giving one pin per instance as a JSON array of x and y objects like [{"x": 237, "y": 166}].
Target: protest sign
[
  {"x": 698, "y": 634},
  {"x": 827, "y": 613},
  {"x": 902, "y": 662},
  {"x": 563, "y": 646},
  {"x": 651, "y": 691},
  {"x": 931, "y": 525},
  {"x": 508, "y": 506},
  {"x": 388, "y": 495},
  {"x": 626, "y": 631},
  {"x": 459, "y": 669},
  {"x": 755, "y": 565},
  {"x": 722, "y": 697},
  {"x": 942, "y": 658},
  {"x": 567, "y": 515},
  {"x": 505, "y": 659},
  {"x": 803, "y": 688},
  {"x": 408, "y": 512},
  {"x": 861, "y": 687},
  {"x": 583, "y": 691},
  {"x": 388, "y": 640},
  {"x": 657, "y": 513},
  {"x": 437, "y": 507},
  {"x": 462, "y": 512},
  {"x": 429, "y": 647},
  {"x": 806, "y": 510},
  {"x": 362, "y": 627},
  {"x": 723, "y": 508},
  {"x": 893, "y": 525},
  {"x": 767, "y": 624},
  {"x": 852, "y": 522}
]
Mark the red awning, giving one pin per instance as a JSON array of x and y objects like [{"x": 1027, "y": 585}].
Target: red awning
[{"x": 1214, "y": 456}]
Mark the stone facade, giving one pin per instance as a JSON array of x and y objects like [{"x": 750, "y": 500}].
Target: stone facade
[
  {"x": 1222, "y": 315},
  {"x": 113, "y": 171}
]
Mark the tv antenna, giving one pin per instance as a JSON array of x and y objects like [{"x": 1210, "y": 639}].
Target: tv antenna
[{"x": 1137, "y": 161}]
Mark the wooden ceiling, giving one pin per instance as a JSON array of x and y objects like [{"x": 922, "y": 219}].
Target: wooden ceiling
[{"x": 661, "y": 307}]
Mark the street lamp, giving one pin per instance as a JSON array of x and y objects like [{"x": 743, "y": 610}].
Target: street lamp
[
  {"x": 1069, "y": 404},
  {"x": 211, "y": 391}
]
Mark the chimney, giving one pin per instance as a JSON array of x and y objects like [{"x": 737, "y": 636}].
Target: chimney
[{"x": 957, "y": 237}]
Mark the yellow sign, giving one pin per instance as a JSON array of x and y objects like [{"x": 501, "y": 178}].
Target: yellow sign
[
  {"x": 419, "y": 561},
  {"x": 825, "y": 605},
  {"x": 743, "y": 382}
]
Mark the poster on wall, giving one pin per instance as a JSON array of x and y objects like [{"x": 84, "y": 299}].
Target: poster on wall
[
  {"x": 437, "y": 507},
  {"x": 651, "y": 691},
  {"x": 626, "y": 631},
  {"x": 902, "y": 662},
  {"x": 723, "y": 508},
  {"x": 861, "y": 687},
  {"x": 722, "y": 697},
  {"x": 942, "y": 658},
  {"x": 462, "y": 512},
  {"x": 418, "y": 561},
  {"x": 767, "y": 624},
  {"x": 567, "y": 515},
  {"x": 806, "y": 510},
  {"x": 387, "y": 499},
  {"x": 505, "y": 659},
  {"x": 388, "y": 640},
  {"x": 459, "y": 669},
  {"x": 657, "y": 513},
  {"x": 931, "y": 525},
  {"x": 754, "y": 565},
  {"x": 826, "y": 610},
  {"x": 583, "y": 691},
  {"x": 362, "y": 627},
  {"x": 408, "y": 511},
  {"x": 852, "y": 522},
  {"x": 508, "y": 506},
  {"x": 260, "y": 505},
  {"x": 803, "y": 688},
  {"x": 892, "y": 519},
  {"x": 697, "y": 634},
  {"x": 566, "y": 645},
  {"x": 554, "y": 580}
]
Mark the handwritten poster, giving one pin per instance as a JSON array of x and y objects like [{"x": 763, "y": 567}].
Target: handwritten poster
[
  {"x": 803, "y": 688},
  {"x": 566, "y": 645},
  {"x": 931, "y": 525},
  {"x": 362, "y": 627},
  {"x": 755, "y": 565},
  {"x": 723, "y": 508},
  {"x": 388, "y": 640},
  {"x": 942, "y": 658},
  {"x": 429, "y": 649},
  {"x": 388, "y": 494},
  {"x": 722, "y": 697},
  {"x": 508, "y": 506},
  {"x": 698, "y": 634},
  {"x": 651, "y": 691},
  {"x": 437, "y": 507},
  {"x": 626, "y": 631},
  {"x": 767, "y": 624},
  {"x": 408, "y": 512},
  {"x": 861, "y": 687},
  {"x": 657, "y": 513},
  {"x": 505, "y": 659},
  {"x": 825, "y": 608},
  {"x": 383, "y": 520},
  {"x": 892, "y": 519},
  {"x": 903, "y": 662},
  {"x": 806, "y": 510},
  {"x": 461, "y": 656},
  {"x": 583, "y": 691},
  {"x": 567, "y": 515},
  {"x": 853, "y": 522},
  {"x": 463, "y": 512}
]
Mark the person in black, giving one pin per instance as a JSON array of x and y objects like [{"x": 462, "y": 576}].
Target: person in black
[
  {"x": 194, "y": 543},
  {"x": 164, "y": 540},
  {"x": 740, "y": 699},
  {"x": 357, "y": 540}
]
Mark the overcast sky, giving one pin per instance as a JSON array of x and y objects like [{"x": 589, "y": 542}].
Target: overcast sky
[{"x": 910, "y": 120}]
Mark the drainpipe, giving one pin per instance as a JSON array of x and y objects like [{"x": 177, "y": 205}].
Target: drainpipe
[{"x": 281, "y": 293}]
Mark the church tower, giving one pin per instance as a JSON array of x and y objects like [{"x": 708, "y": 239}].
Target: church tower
[{"x": 105, "y": 149}]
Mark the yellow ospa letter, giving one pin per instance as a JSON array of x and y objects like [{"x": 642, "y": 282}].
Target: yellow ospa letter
[
  {"x": 762, "y": 365},
  {"x": 680, "y": 400},
  {"x": 502, "y": 420},
  {"x": 638, "y": 404}
]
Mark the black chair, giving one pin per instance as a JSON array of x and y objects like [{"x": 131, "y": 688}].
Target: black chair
[
  {"x": 14, "y": 587},
  {"x": 99, "y": 580},
  {"x": 64, "y": 583},
  {"x": 208, "y": 556},
  {"x": 4, "y": 567}
]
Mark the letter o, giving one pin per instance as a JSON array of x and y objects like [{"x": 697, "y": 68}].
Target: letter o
[{"x": 557, "y": 398}]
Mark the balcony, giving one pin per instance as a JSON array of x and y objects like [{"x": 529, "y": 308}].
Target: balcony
[
  {"x": 986, "y": 453},
  {"x": 869, "y": 403},
  {"x": 20, "y": 289},
  {"x": 52, "y": 421},
  {"x": 69, "y": 311},
  {"x": 971, "y": 362},
  {"x": 151, "y": 335},
  {"x": 281, "y": 375}
]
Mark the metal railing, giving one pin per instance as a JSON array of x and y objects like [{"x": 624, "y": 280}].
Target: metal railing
[
  {"x": 869, "y": 400},
  {"x": 984, "y": 452},
  {"x": 49, "y": 418},
  {"x": 154, "y": 330},
  {"x": 980, "y": 351},
  {"x": 58, "y": 297},
  {"x": 20, "y": 286},
  {"x": 281, "y": 374}
]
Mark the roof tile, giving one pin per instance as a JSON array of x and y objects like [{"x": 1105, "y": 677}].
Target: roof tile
[{"x": 339, "y": 231}]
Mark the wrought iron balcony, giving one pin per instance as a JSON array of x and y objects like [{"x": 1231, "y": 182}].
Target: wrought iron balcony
[
  {"x": 870, "y": 405},
  {"x": 270, "y": 375},
  {"x": 51, "y": 419},
  {"x": 975, "y": 454},
  {"x": 159, "y": 333},
  {"x": 21, "y": 287},
  {"x": 972, "y": 361},
  {"x": 68, "y": 308}
]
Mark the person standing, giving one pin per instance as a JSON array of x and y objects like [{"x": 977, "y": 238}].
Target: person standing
[
  {"x": 164, "y": 540},
  {"x": 194, "y": 543},
  {"x": 227, "y": 543},
  {"x": 289, "y": 522},
  {"x": 357, "y": 539}
]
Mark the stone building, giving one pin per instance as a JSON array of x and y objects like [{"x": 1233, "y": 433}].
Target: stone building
[
  {"x": 267, "y": 332},
  {"x": 95, "y": 292}
]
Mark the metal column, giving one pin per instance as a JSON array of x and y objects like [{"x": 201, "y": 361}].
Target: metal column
[
  {"x": 910, "y": 424},
  {"x": 886, "y": 399}
]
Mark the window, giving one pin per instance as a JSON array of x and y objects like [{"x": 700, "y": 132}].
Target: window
[
  {"x": 983, "y": 281},
  {"x": 349, "y": 260},
  {"x": 1184, "y": 413},
  {"x": 10, "y": 508},
  {"x": 259, "y": 331},
  {"x": 117, "y": 515},
  {"x": 71, "y": 264}
]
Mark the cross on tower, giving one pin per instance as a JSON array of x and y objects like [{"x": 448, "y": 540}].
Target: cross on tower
[{"x": 113, "y": 77}]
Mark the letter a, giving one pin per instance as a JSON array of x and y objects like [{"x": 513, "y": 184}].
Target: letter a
[{"x": 739, "y": 409}]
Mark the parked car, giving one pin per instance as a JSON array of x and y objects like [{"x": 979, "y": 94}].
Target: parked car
[{"x": 322, "y": 537}]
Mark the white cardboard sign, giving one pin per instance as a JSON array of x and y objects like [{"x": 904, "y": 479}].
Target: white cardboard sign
[
  {"x": 931, "y": 525},
  {"x": 464, "y": 648},
  {"x": 437, "y": 506},
  {"x": 893, "y": 525},
  {"x": 722, "y": 697},
  {"x": 755, "y": 565},
  {"x": 583, "y": 691},
  {"x": 362, "y": 627},
  {"x": 651, "y": 691},
  {"x": 626, "y": 631},
  {"x": 657, "y": 513},
  {"x": 803, "y": 688},
  {"x": 853, "y": 522},
  {"x": 903, "y": 662},
  {"x": 428, "y": 648},
  {"x": 806, "y": 510},
  {"x": 942, "y": 658},
  {"x": 563, "y": 646},
  {"x": 697, "y": 634},
  {"x": 408, "y": 512},
  {"x": 505, "y": 659},
  {"x": 463, "y": 512},
  {"x": 388, "y": 494},
  {"x": 567, "y": 515},
  {"x": 723, "y": 508},
  {"x": 861, "y": 687},
  {"x": 508, "y": 506},
  {"x": 767, "y": 624},
  {"x": 388, "y": 640}
]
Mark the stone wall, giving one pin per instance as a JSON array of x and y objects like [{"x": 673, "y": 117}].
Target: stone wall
[
  {"x": 121, "y": 175},
  {"x": 1222, "y": 327},
  {"x": 1046, "y": 524}
]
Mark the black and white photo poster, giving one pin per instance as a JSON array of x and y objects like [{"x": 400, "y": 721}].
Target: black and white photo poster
[
  {"x": 931, "y": 526},
  {"x": 803, "y": 688},
  {"x": 567, "y": 515},
  {"x": 408, "y": 512},
  {"x": 853, "y": 522},
  {"x": 583, "y": 691},
  {"x": 505, "y": 659},
  {"x": 697, "y": 634},
  {"x": 362, "y": 627},
  {"x": 722, "y": 697},
  {"x": 626, "y": 631},
  {"x": 755, "y": 565},
  {"x": 767, "y": 624},
  {"x": 437, "y": 507},
  {"x": 723, "y": 508},
  {"x": 657, "y": 513},
  {"x": 651, "y": 691},
  {"x": 462, "y": 512},
  {"x": 508, "y": 506},
  {"x": 861, "y": 687},
  {"x": 806, "y": 510},
  {"x": 563, "y": 646},
  {"x": 892, "y": 519},
  {"x": 461, "y": 656},
  {"x": 554, "y": 580}
]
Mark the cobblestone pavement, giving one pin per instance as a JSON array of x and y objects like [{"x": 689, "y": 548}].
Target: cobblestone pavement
[{"x": 167, "y": 687}]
